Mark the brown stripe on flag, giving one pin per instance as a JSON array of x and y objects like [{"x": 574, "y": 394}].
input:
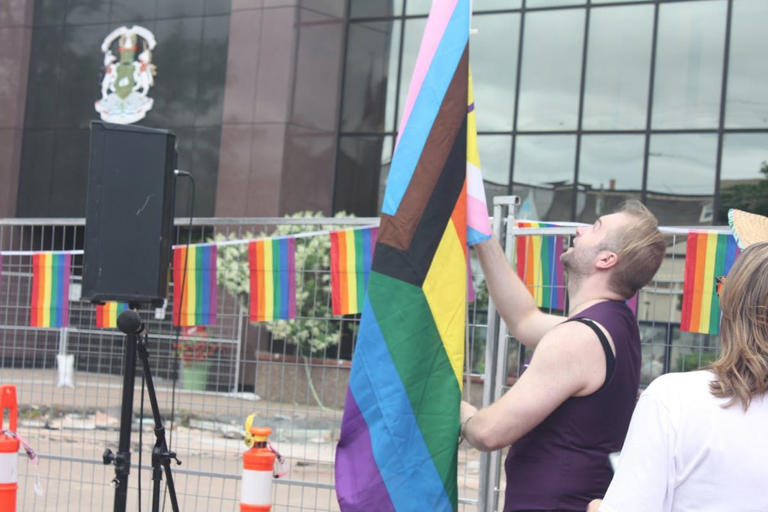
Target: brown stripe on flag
[{"x": 397, "y": 231}]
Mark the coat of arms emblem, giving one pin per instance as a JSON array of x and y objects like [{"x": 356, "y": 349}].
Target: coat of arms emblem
[{"x": 127, "y": 80}]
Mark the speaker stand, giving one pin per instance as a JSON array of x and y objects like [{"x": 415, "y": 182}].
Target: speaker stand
[{"x": 130, "y": 323}]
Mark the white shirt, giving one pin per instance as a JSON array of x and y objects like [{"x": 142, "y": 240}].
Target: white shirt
[{"x": 684, "y": 452}]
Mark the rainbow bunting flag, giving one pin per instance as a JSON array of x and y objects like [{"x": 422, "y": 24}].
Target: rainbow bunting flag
[
  {"x": 272, "y": 263},
  {"x": 539, "y": 266},
  {"x": 351, "y": 256},
  {"x": 49, "y": 306},
  {"x": 194, "y": 270},
  {"x": 397, "y": 449},
  {"x": 707, "y": 255},
  {"x": 107, "y": 313}
]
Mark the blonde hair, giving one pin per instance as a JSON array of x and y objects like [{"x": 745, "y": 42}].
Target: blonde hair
[
  {"x": 640, "y": 249},
  {"x": 742, "y": 370}
]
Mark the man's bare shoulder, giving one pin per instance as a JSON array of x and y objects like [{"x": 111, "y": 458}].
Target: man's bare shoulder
[
  {"x": 569, "y": 337},
  {"x": 571, "y": 351}
]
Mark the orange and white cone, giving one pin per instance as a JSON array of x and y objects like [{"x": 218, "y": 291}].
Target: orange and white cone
[
  {"x": 9, "y": 450},
  {"x": 258, "y": 472}
]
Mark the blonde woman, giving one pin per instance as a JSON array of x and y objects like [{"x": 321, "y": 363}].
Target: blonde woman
[{"x": 698, "y": 441}]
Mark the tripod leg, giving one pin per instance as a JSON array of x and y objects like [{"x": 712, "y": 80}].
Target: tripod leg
[
  {"x": 161, "y": 457},
  {"x": 123, "y": 458},
  {"x": 171, "y": 485}
]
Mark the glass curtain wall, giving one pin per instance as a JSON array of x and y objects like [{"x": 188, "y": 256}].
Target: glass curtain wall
[{"x": 580, "y": 104}]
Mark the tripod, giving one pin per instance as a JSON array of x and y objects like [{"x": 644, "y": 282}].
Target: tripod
[{"x": 130, "y": 323}]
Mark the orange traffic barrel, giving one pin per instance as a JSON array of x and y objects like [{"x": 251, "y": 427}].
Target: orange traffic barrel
[
  {"x": 258, "y": 471},
  {"x": 9, "y": 449}
]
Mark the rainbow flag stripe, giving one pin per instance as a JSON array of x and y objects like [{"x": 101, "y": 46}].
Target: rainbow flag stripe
[
  {"x": 351, "y": 257},
  {"x": 197, "y": 268},
  {"x": 539, "y": 266},
  {"x": 49, "y": 306},
  {"x": 707, "y": 255},
  {"x": 272, "y": 264},
  {"x": 107, "y": 313}
]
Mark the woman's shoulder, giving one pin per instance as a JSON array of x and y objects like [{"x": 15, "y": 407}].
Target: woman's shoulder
[{"x": 673, "y": 387}]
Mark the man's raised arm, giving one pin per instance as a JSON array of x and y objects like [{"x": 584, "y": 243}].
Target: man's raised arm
[{"x": 511, "y": 298}]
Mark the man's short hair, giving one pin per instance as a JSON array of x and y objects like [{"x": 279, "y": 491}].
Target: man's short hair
[{"x": 640, "y": 249}]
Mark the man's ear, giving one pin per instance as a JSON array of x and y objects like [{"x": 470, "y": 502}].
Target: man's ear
[{"x": 606, "y": 259}]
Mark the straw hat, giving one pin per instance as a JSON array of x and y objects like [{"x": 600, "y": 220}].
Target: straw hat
[{"x": 748, "y": 228}]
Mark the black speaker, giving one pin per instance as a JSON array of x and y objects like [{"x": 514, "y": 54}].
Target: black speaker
[{"x": 129, "y": 213}]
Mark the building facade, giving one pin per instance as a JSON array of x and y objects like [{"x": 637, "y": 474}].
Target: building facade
[{"x": 287, "y": 105}]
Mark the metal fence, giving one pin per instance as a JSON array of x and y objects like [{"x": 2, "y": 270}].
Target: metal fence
[{"x": 69, "y": 380}]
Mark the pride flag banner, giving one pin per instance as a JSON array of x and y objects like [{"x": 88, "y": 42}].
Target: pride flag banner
[
  {"x": 707, "y": 255},
  {"x": 397, "y": 450},
  {"x": 194, "y": 271},
  {"x": 272, "y": 264},
  {"x": 49, "y": 306},
  {"x": 107, "y": 313},
  {"x": 539, "y": 266},
  {"x": 351, "y": 256}
]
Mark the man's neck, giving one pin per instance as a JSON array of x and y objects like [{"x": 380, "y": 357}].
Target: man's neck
[{"x": 588, "y": 293}]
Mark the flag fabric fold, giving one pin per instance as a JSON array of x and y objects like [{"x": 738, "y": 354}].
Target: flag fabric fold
[
  {"x": 398, "y": 445},
  {"x": 196, "y": 269},
  {"x": 539, "y": 266},
  {"x": 708, "y": 255},
  {"x": 272, "y": 264},
  {"x": 49, "y": 306},
  {"x": 351, "y": 256},
  {"x": 107, "y": 313},
  {"x": 478, "y": 221}
]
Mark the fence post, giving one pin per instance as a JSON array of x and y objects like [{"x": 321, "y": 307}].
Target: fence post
[
  {"x": 239, "y": 346},
  {"x": 495, "y": 361}
]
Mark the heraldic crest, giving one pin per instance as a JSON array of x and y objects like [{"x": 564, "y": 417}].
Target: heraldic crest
[{"x": 127, "y": 81}]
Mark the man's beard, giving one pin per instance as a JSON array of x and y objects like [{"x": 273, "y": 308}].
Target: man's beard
[{"x": 577, "y": 265}]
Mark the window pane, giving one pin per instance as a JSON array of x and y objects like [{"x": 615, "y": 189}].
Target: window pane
[
  {"x": 744, "y": 174},
  {"x": 618, "y": 64},
  {"x": 418, "y": 6},
  {"x": 357, "y": 175},
  {"x": 681, "y": 178},
  {"x": 494, "y": 5},
  {"x": 689, "y": 65},
  {"x": 414, "y": 29},
  {"x": 543, "y": 175},
  {"x": 747, "y": 103},
  {"x": 386, "y": 163},
  {"x": 375, "y": 8},
  {"x": 365, "y": 82},
  {"x": 552, "y": 3},
  {"x": 551, "y": 67},
  {"x": 394, "y": 60},
  {"x": 495, "y": 152},
  {"x": 493, "y": 56},
  {"x": 610, "y": 171}
]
